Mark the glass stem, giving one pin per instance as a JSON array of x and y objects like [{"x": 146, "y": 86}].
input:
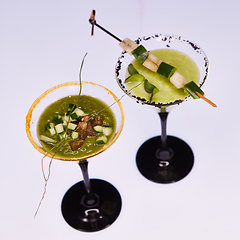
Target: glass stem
[
  {"x": 90, "y": 199},
  {"x": 163, "y": 116},
  {"x": 84, "y": 167}
]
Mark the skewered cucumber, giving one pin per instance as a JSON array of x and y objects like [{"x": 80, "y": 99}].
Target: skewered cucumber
[{"x": 155, "y": 64}]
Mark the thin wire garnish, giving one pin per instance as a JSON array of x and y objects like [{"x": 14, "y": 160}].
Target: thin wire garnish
[
  {"x": 46, "y": 178},
  {"x": 45, "y": 185},
  {"x": 80, "y": 73}
]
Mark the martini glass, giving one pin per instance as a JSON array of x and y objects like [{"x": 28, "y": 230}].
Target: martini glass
[
  {"x": 92, "y": 204},
  {"x": 164, "y": 158}
]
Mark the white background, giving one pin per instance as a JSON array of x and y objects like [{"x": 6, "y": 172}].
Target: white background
[{"x": 42, "y": 44}]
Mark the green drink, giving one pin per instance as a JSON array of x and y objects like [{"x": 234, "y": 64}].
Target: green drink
[
  {"x": 58, "y": 117},
  {"x": 167, "y": 92},
  {"x": 65, "y": 133}
]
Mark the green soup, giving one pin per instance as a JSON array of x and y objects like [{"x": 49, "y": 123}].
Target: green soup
[
  {"x": 167, "y": 91},
  {"x": 59, "y": 110}
]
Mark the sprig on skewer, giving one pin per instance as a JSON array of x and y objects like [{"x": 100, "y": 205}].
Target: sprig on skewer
[{"x": 198, "y": 93}]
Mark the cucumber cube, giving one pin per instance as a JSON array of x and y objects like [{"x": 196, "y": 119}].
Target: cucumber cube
[
  {"x": 79, "y": 112},
  {"x": 166, "y": 70},
  {"x": 47, "y": 139},
  {"x": 59, "y": 128},
  {"x": 191, "y": 88},
  {"x": 107, "y": 131},
  {"x": 52, "y": 131},
  {"x": 98, "y": 128},
  {"x": 140, "y": 53},
  {"x": 71, "y": 126},
  {"x": 62, "y": 135},
  {"x": 75, "y": 135},
  {"x": 101, "y": 140}
]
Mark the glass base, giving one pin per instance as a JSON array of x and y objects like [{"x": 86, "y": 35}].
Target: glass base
[
  {"x": 90, "y": 213},
  {"x": 165, "y": 166}
]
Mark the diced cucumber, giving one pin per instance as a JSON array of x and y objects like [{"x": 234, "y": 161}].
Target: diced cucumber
[
  {"x": 140, "y": 53},
  {"x": 75, "y": 135},
  {"x": 101, "y": 140},
  {"x": 191, "y": 88},
  {"x": 98, "y": 128},
  {"x": 47, "y": 139},
  {"x": 71, "y": 126},
  {"x": 79, "y": 112},
  {"x": 59, "y": 128},
  {"x": 50, "y": 128},
  {"x": 107, "y": 131},
  {"x": 66, "y": 120},
  {"x": 62, "y": 135},
  {"x": 166, "y": 70},
  {"x": 52, "y": 131}
]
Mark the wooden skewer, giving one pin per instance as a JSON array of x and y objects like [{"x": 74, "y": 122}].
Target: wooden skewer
[
  {"x": 92, "y": 20},
  {"x": 206, "y": 99},
  {"x": 94, "y": 23}
]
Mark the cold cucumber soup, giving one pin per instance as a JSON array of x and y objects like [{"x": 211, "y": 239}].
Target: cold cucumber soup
[
  {"x": 76, "y": 126},
  {"x": 167, "y": 92}
]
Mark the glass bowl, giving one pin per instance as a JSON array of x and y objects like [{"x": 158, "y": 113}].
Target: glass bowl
[
  {"x": 67, "y": 89},
  {"x": 163, "y": 41}
]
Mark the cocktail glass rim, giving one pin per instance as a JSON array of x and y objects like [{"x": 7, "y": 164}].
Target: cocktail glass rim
[
  {"x": 43, "y": 95},
  {"x": 168, "y": 39}
]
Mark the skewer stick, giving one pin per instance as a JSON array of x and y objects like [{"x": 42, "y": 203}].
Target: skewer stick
[
  {"x": 94, "y": 23},
  {"x": 92, "y": 20},
  {"x": 206, "y": 99}
]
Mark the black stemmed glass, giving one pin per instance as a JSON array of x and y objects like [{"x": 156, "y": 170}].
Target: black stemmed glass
[
  {"x": 164, "y": 158},
  {"x": 92, "y": 204}
]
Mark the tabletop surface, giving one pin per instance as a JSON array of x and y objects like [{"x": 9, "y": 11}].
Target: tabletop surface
[{"x": 42, "y": 44}]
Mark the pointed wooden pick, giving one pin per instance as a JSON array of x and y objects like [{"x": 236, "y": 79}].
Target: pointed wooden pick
[{"x": 206, "y": 99}]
